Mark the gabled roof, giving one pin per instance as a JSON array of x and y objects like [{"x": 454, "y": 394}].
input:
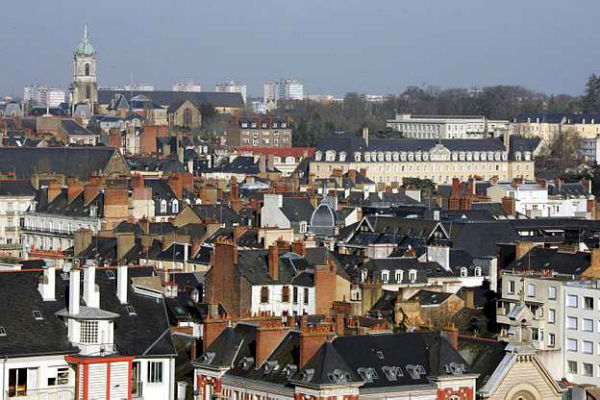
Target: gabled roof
[
  {"x": 167, "y": 97},
  {"x": 221, "y": 213}
]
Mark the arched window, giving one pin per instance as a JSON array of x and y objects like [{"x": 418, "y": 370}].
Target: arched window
[
  {"x": 264, "y": 294},
  {"x": 463, "y": 271},
  {"x": 285, "y": 294},
  {"x": 385, "y": 276},
  {"x": 175, "y": 207},
  {"x": 477, "y": 271},
  {"x": 87, "y": 69},
  {"x": 398, "y": 275},
  {"x": 163, "y": 206},
  {"x": 187, "y": 117}
]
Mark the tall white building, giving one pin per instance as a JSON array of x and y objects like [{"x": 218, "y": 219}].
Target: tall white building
[
  {"x": 446, "y": 126},
  {"x": 283, "y": 89},
  {"x": 232, "y": 87},
  {"x": 189, "y": 86},
  {"x": 270, "y": 91},
  {"x": 42, "y": 95}
]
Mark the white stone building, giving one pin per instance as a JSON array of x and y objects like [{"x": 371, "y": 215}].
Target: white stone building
[{"x": 447, "y": 126}]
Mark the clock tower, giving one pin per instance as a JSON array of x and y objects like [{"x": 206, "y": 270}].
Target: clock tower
[{"x": 84, "y": 88}]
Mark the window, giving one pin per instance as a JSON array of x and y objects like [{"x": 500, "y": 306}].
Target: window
[
  {"x": 398, "y": 275},
  {"x": 552, "y": 293},
  {"x": 511, "y": 287},
  {"x": 572, "y": 344},
  {"x": 163, "y": 206},
  {"x": 130, "y": 310},
  {"x": 88, "y": 332},
  {"x": 587, "y": 347},
  {"x": 412, "y": 275},
  {"x": 463, "y": 271},
  {"x": 588, "y": 325},
  {"x": 264, "y": 294},
  {"x": 572, "y": 323},
  {"x": 572, "y": 366},
  {"x": 588, "y": 303},
  {"x": 2, "y": 331},
  {"x": 305, "y": 295},
  {"x": 17, "y": 382},
  {"x": 551, "y": 339},
  {"x": 588, "y": 369},
  {"x": 87, "y": 69},
  {"x": 175, "y": 207},
  {"x": 295, "y": 295},
  {"x": 551, "y": 316},
  {"x": 155, "y": 372},
  {"x": 136, "y": 380},
  {"x": 530, "y": 290},
  {"x": 572, "y": 301},
  {"x": 385, "y": 276},
  {"x": 37, "y": 315},
  {"x": 477, "y": 271},
  {"x": 88, "y": 92},
  {"x": 285, "y": 294}
]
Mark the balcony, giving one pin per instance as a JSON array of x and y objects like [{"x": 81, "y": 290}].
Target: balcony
[
  {"x": 47, "y": 231},
  {"x": 51, "y": 393}
]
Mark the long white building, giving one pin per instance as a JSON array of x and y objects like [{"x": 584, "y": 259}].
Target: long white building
[{"x": 447, "y": 126}]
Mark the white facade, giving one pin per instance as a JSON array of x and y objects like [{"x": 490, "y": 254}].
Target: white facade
[
  {"x": 187, "y": 87},
  {"x": 446, "y": 126},
  {"x": 301, "y": 300},
  {"x": 54, "y": 231},
  {"x": 42, "y": 95},
  {"x": 270, "y": 91},
  {"x": 232, "y": 87},
  {"x": 283, "y": 89},
  {"x": 12, "y": 209}
]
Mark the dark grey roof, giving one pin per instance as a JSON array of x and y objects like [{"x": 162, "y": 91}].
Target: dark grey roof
[
  {"x": 221, "y": 213},
  {"x": 430, "y": 297},
  {"x": 75, "y": 208},
  {"x": 540, "y": 259},
  {"x": 480, "y": 238},
  {"x": 574, "y": 189},
  {"x": 71, "y": 161},
  {"x": 73, "y": 128},
  {"x": 482, "y": 355},
  {"x": 167, "y": 97},
  {"x": 521, "y": 144},
  {"x": 297, "y": 209},
  {"x": 11, "y": 187}
]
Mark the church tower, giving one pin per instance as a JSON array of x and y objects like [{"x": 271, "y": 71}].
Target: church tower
[{"x": 84, "y": 88}]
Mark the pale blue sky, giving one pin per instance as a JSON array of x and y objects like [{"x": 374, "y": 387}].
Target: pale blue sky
[{"x": 333, "y": 46}]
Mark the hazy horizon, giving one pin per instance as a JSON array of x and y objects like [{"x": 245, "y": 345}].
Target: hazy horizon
[{"x": 333, "y": 47}]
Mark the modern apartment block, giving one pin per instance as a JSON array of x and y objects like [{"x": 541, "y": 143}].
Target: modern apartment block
[
  {"x": 258, "y": 132},
  {"x": 283, "y": 89},
  {"x": 232, "y": 87},
  {"x": 43, "y": 95},
  {"x": 447, "y": 126}
]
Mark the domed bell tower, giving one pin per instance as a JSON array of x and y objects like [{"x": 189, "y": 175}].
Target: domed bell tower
[{"x": 84, "y": 88}]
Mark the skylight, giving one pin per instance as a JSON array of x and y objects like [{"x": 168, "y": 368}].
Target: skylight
[
  {"x": 2, "y": 331},
  {"x": 130, "y": 310},
  {"x": 37, "y": 315},
  {"x": 110, "y": 274}
]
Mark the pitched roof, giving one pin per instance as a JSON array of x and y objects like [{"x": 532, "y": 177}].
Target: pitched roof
[
  {"x": 167, "y": 97},
  {"x": 13, "y": 187}
]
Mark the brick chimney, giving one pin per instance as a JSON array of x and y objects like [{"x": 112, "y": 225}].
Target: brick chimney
[
  {"x": 74, "y": 189},
  {"x": 213, "y": 327},
  {"x": 234, "y": 188},
  {"x": 116, "y": 202},
  {"x": 340, "y": 325},
  {"x": 471, "y": 185},
  {"x": 450, "y": 332},
  {"x": 268, "y": 337},
  {"x": 238, "y": 231},
  {"x": 82, "y": 239},
  {"x": 311, "y": 340},
  {"x": 273, "y": 260},
  {"x": 125, "y": 242},
  {"x": 508, "y": 205},
  {"x": 188, "y": 181},
  {"x": 299, "y": 247},
  {"x": 54, "y": 189},
  {"x": 469, "y": 298},
  {"x": 325, "y": 285},
  {"x": 176, "y": 185},
  {"x": 137, "y": 181}
]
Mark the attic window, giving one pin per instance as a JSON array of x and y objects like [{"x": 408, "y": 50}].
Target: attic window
[
  {"x": 247, "y": 363},
  {"x": 2, "y": 331},
  {"x": 338, "y": 376},
  {"x": 416, "y": 371},
  {"x": 380, "y": 355},
  {"x": 367, "y": 374},
  {"x": 307, "y": 374},
  {"x": 392, "y": 373},
  {"x": 110, "y": 274},
  {"x": 37, "y": 315},
  {"x": 290, "y": 370},
  {"x": 130, "y": 310}
]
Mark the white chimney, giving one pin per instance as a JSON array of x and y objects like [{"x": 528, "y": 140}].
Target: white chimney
[
  {"x": 74, "y": 289},
  {"x": 439, "y": 254},
  {"x": 122, "y": 283},
  {"x": 47, "y": 284},
  {"x": 91, "y": 294}
]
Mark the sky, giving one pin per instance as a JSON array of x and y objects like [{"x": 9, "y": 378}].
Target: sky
[{"x": 332, "y": 46}]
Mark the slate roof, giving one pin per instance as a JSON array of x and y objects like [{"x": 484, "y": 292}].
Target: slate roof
[
  {"x": 13, "y": 187},
  {"x": 73, "y": 128},
  {"x": 567, "y": 190},
  {"x": 167, "y": 165},
  {"x": 70, "y": 161},
  {"x": 522, "y": 144},
  {"x": 222, "y": 213},
  {"x": 167, "y": 97},
  {"x": 297, "y": 209},
  {"x": 424, "y": 269},
  {"x": 61, "y": 205},
  {"x": 430, "y": 297},
  {"x": 564, "y": 263},
  {"x": 482, "y": 355},
  {"x": 480, "y": 238}
]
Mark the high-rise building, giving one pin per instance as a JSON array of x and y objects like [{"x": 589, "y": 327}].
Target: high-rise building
[
  {"x": 270, "y": 91},
  {"x": 283, "y": 89},
  {"x": 189, "y": 86},
  {"x": 42, "y": 95},
  {"x": 232, "y": 87}
]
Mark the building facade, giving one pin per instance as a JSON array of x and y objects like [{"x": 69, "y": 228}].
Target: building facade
[
  {"x": 446, "y": 126},
  {"x": 42, "y": 95},
  {"x": 258, "y": 132},
  {"x": 232, "y": 87}
]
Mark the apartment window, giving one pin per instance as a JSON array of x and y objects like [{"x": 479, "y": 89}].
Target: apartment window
[
  {"x": 305, "y": 295},
  {"x": 588, "y": 325},
  {"x": 551, "y": 316},
  {"x": 88, "y": 332},
  {"x": 572, "y": 344},
  {"x": 285, "y": 294},
  {"x": 572, "y": 323},
  {"x": 588, "y": 369},
  {"x": 264, "y": 294},
  {"x": 155, "y": 372},
  {"x": 530, "y": 290},
  {"x": 412, "y": 275},
  {"x": 385, "y": 276},
  {"x": 572, "y": 301},
  {"x": 511, "y": 287},
  {"x": 587, "y": 347},
  {"x": 572, "y": 367},
  {"x": 552, "y": 293},
  {"x": 17, "y": 382},
  {"x": 588, "y": 303},
  {"x": 551, "y": 339},
  {"x": 536, "y": 334},
  {"x": 295, "y": 295}
]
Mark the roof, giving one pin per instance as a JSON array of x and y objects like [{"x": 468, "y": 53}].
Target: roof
[
  {"x": 73, "y": 128},
  {"x": 167, "y": 97},
  {"x": 430, "y": 297},
  {"x": 81, "y": 162},
  {"x": 297, "y": 209},
  {"x": 482, "y": 355},
  {"x": 13, "y": 187},
  {"x": 223, "y": 214},
  {"x": 561, "y": 262},
  {"x": 278, "y": 151}
]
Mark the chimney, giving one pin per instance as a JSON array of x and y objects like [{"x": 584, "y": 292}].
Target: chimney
[
  {"x": 274, "y": 262},
  {"x": 238, "y": 231},
  {"x": 47, "y": 284},
  {"x": 471, "y": 186},
  {"x": 74, "y": 189},
  {"x": 311, "y": 340},
  {"x": 455, "y": 187},
  {"x": 352, "y": 175},
  {"x": 593, "y": 271},
  {"x": 234, "y": 189},
  {"x": 74, "y": 290},
  {"x": 122, "y": 283},
  {"x": 187, "y": 180},
  {"x": 176, "y": 185},
  {"x": 54, "y": 189},
  {"x": 365, "y": 134},
  {"x": 508, "y": 205},
  {"x": 363, "y": 172},
  {"x": 450, "y": 332},
  {"x": 325, "y": 287},
  {"x": 523, "y": 248},
  {"x": 268, "y": 337},
  {"x": 137, "y": 181},
  {"x": 299, "y": 247},
  {"x": 90, "y": 191},
  {"x": 469, "y": 298},
  {"x": 91, "y": 294},
  {"x": 125, "y": 242},
  {"x": 82, "y": 239},
  {"x": 558, "y": 184},
  {"x": 340, "y": 325}
]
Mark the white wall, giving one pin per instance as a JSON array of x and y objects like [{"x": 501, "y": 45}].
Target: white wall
[{"x": 276, "y": 306}]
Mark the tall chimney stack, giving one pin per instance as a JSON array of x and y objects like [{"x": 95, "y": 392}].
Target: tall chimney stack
[{"x": 274, "y": 262}]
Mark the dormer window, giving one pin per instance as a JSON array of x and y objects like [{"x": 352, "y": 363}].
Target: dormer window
[
  {"x": 175, "y": 207},
  {"x": 357, "y": 157},
  {"x": 363, "y": 275},
  {"x": 398, "y": 275},
  {"x": 463, "y": 271},
  {"x": 385, "y": 276},
  {"x": 477, "y": 271},
  {"x": 163, "y": 206},
  {"x": 412, "y": 275},
  {"x": 2, "y": 331},
  {"x": 342, "y": 156},
  {"x": 518, "y": 156},
  {"x": 318, "y": 156},
  {"x": 330, "y": 155}
]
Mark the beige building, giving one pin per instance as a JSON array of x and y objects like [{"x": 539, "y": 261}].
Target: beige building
[
  {"x": 549, "y": 126},
  {"x": 392, "y": 160}
]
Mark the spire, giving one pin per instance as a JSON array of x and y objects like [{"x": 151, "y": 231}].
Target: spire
[{"x": 84, "y": 39}]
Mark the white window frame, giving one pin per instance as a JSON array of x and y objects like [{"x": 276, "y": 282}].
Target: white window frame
[{"x": 155, "y": 372}]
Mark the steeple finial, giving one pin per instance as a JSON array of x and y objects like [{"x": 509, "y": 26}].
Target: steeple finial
[{"x": 85, "y": 34}]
